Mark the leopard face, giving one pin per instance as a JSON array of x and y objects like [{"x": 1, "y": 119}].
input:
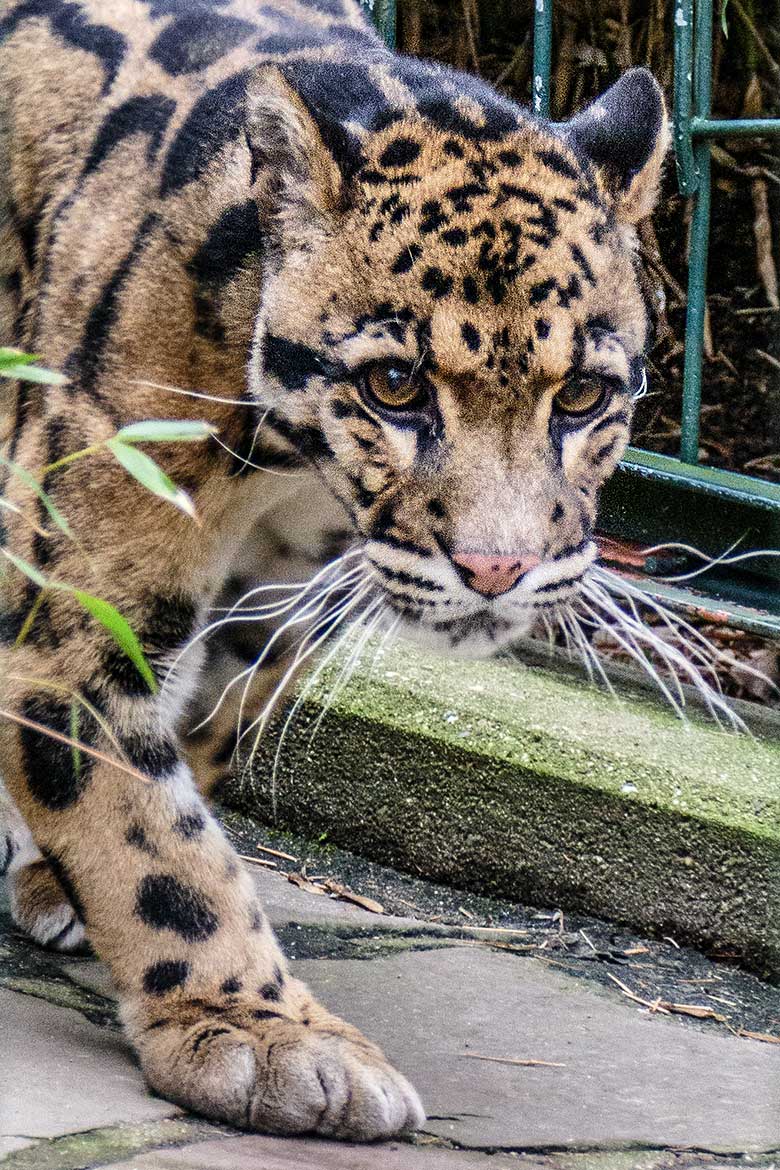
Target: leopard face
[{"x": 460, "y": 335}]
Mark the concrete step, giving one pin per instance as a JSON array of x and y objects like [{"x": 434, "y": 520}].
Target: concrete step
[{"x": 524, "y": 781}]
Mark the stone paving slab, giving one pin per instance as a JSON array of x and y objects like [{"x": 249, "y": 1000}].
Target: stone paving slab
[
  {"x": 262, "y": 1153},
  {"x": 61, "y": 1074},
  {"x": 628, "y": 1078},
  {"x": 9, "y": 1145},
  {"x": 635, "y": 1087}
]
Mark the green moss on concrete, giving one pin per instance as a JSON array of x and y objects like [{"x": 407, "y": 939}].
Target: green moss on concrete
[
  {"x": 102, "y": 1147},
  {"x": 527, "y": 782}
]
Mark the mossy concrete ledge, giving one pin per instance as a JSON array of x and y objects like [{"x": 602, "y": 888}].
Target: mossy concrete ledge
[{"x": 527, "y": 782}]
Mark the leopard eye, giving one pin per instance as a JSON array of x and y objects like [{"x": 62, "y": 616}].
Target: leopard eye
[
  {"x": 580, "y": 396},
  {"x": 393, "y": 387}
]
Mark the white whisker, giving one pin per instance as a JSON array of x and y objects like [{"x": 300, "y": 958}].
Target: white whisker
[
  {"x": 684, "y": 658},
  {"x": 246, "y": 461},
  {"x": 193, "y": 393}
]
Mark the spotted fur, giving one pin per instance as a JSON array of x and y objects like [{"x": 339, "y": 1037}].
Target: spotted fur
[{"x": 261, "y": 203}]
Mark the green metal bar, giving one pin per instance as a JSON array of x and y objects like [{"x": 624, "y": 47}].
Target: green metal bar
[
  {"x": 699, "y": 242},
  {"x": 734, "y": 127},
  {"x": 687, "y": 177},
  {"x": 383, "y": 14},
  {"x": 543, "y": 17},
  {"x": 728, "y": 486}
]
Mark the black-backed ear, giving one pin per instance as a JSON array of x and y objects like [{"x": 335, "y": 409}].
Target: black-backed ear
[
  {"x": 625, "y": 134},
  {"x": 291, "y": 163}
]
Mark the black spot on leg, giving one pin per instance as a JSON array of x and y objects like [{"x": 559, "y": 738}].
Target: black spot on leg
[
  {"x": 56, "y": 774},
  {"x": 189, "y": 825},
  {"x": 165, "y": 976},
  {"x": 231, "y": 986},
  {"x": 437, "y": 509},
  {"x": 557, "y": 513},
  {"x": 270, "y": 991},
  {"x": 279, "y": 976},
  {"x": 154, "y": 755},
  {"x": 257, "y": 920},
  {"x": 542, "y": 327},
  {"x": 266, "y": 1014},
  {"x": 455, "y": 237},
  {"x": 165, "y": 903},
  {"x": 136, "y": 836}
]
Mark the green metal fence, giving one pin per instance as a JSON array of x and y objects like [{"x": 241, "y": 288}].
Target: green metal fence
[{"x": 652, "y": 497}]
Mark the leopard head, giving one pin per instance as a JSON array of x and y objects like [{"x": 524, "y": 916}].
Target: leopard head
[{"x": 453, "y": 330}]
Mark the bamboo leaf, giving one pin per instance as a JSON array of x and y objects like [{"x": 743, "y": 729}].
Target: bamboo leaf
[
  {"x": 15, "y": 357},
  {"x": 31, "y": 482},
  {"x": 102, "y": 611},
  {"x": 25, "y": 567},
  {"x": 120, "y": 630},
  {"x": 16, "y": 364},
  {"x": 151, "y": 476},
  {"x": 165, "y": 431}
]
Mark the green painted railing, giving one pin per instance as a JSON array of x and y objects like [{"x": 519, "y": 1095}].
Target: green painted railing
[{"x": 654, "y": 497}]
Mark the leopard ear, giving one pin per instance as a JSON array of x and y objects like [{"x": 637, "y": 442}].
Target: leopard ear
[
  {"x": 295, "y": 172},
  {"x": 625, "y": 134}
]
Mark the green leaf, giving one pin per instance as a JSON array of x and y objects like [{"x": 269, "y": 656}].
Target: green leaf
[
  {"x": 151, "y": 476},
  {"x": 163, "y": 431},
  {"x": 723, "y": 21},
  {"x": 102, "y": 611},
  {"x": 120, "y": 630},
  {"x": 15, "y": 357},
  {"x": 33, "y": 374},
  {"x": 26, "y": 568},
  {"x": 29, "y": 479},
  {"x": 15, "y": 364}
]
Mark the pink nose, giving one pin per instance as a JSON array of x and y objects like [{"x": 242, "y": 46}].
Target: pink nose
[{"x": 493, "y": 575}]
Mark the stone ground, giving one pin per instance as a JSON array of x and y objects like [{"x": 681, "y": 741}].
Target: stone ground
[{"x": 458, "y": 994}]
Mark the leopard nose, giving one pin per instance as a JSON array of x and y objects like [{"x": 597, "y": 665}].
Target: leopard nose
[{"x": 493, "y": 575}]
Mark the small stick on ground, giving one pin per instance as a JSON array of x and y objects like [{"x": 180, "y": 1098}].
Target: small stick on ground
[
  {"x": 258, "y": 861},
  {"x": 764, "y": 1037},
  {"x": 510, "y": 1060},
  {"x": 276, "y": 853}
]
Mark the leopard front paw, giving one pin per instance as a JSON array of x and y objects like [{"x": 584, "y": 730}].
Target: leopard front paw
[{"x": 280, "y": 1076}]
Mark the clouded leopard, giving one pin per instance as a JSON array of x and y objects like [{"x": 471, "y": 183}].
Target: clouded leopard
[{"x": 410, "y": 310}]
